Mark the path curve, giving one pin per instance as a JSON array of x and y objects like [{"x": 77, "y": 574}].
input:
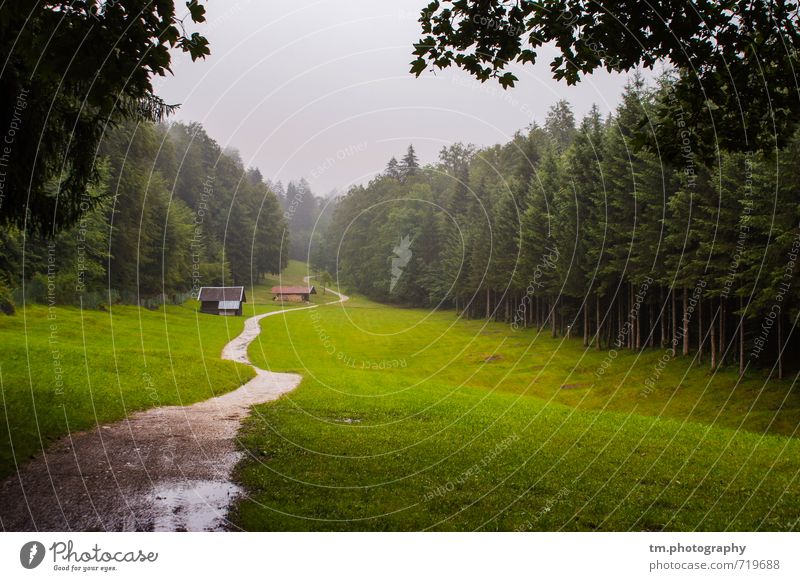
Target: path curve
[{"x": 164, "y": 469}]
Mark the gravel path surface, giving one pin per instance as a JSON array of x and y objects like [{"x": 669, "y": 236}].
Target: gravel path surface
[{"x": 164, "y": 469}]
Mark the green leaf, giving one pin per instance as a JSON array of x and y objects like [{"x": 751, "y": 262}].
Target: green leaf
[{"x": 197, "y": 11}]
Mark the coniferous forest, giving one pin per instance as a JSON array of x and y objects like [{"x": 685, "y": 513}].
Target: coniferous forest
[
  {"x": 176, "y": 212},
  {"x": 589, "y": 228},
  {"x": 513, "y": 310}
]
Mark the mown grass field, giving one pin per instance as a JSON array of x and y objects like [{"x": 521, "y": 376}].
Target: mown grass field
[
  {"x": 407, "y": 420},
  {"x": 292, "y": 275},
  {"x": 69, "y": 369}
]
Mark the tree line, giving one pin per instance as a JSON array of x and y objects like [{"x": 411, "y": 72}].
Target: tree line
[
  {"x": 170, "y": 211},
  {"x": 71, "y": 68},
  {"x": 585, "y": 229},
  {"x": 305, "y": 214}
]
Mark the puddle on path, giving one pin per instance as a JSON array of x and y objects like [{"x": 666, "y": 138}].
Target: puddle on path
[
  {"x": 163, "y": 469},
  {"x": 198, "y": 505}
]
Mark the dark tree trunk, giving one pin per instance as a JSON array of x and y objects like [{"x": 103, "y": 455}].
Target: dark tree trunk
[
  {"x": 543, "y": 320},
  {"x": 542, "y": 313},
  {"x": 780, "y": 348},
  {"x": 674, "y": 323},
  {"x": 721, "y": 332},
  {"x": 635, "y": 309},
  {"x": 741, "y": 336},
  {"x": 586, "y": 322},
  {"x": 627, "y": 320},
  {"x": 713, "y": 338},
  {"x": 700, "y": 337},
  {"x": 638, "y": 328},
  {"x": 553, "y": 332},
  {"x": 526, "y": 311},
  {"x": 661, "y": 325},
  {"x": 632, "y": 316},
  {"x": 685, "y": 321},
  {"x": 598, "y": 336}
]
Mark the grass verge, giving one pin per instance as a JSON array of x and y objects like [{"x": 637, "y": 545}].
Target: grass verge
[
  {"x": 65, "y": 370},
  {"x": 407, "y": 420}
]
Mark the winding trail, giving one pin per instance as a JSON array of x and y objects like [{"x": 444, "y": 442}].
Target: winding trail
[{"x": 163, "y": 469}]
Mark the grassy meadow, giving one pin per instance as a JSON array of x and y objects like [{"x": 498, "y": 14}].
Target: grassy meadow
[
  {"x": 292, "y": 275},
  {"x": 410, "y": 420},
  {"x": 65, "y": 369}
]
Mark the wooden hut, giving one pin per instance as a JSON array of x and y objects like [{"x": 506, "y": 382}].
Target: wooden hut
[
  {"x": 293, "y": 294},
  {"x": 222, "y": 300}
]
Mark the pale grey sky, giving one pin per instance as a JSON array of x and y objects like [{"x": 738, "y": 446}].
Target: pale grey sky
[{"x": 321, "y": 90}]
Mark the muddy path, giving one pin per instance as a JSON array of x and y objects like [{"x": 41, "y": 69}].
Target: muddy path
[{"x": 164, "y": 469}]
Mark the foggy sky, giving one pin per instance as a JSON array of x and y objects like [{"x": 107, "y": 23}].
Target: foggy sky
[{"x": 321, "y": 90}]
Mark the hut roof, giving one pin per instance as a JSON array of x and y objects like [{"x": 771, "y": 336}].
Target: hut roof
[
  {"x": 294, "y": 290},
  {"x": 222, "y": 293}
]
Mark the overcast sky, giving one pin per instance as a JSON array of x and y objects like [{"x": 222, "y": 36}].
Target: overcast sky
[{"x": 321, "y": 90}]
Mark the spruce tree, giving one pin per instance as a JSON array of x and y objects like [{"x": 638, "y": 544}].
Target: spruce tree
[
  {"x": 393, "y": 169},
  {"x": 409, "y": 164}
]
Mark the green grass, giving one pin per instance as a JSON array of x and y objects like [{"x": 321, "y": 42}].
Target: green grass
[
  {"x": 291, "y": 276},
  {"x": 410, "y": 421},
  {"x": 110, "y": 364},
  {"x": 101, "y": 366}
]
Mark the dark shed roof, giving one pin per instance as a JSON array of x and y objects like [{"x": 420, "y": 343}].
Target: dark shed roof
[
  {"x": 294, "y": 290},
  {"x": 222, "y": 293}
]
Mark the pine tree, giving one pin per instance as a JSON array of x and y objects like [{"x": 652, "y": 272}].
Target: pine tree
[
  {"x": 409, "y": 165},
  {"x": 393, "y": 169},
  {"x": 621, "y": 167},
  {"x": 540, "y": 252},
  {"x": 560, "y": 125},
  {"x": 563, "y": 226},
  {"x": 505, "y": 277}
]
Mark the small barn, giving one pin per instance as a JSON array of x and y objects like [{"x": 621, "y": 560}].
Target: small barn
[
  {"x": 293, "y": 294},
  {"x": 222, "y": 300}
]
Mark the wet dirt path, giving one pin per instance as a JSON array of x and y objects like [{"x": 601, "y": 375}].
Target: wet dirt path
[{"x": 164, "y": 469}]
